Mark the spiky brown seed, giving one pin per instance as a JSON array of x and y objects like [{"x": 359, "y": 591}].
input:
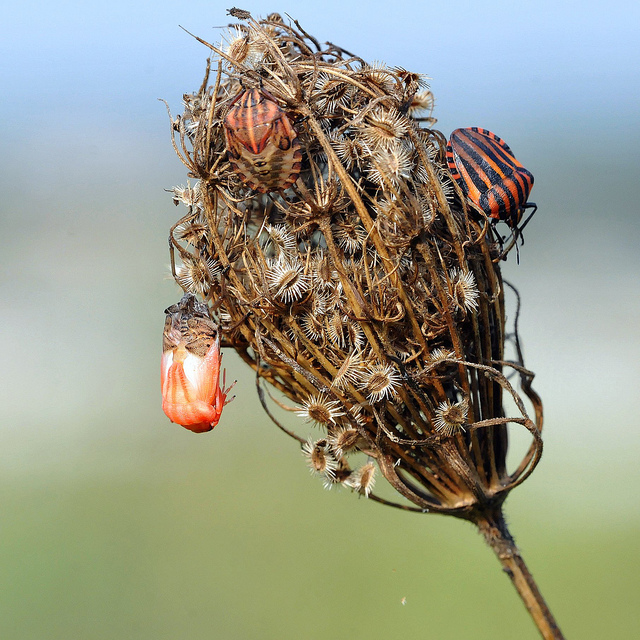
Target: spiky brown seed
[
  {"x": 451, "y": 418},
  {"x": 320, "y": 410}
]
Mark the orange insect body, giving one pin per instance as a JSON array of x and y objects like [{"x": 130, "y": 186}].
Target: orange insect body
[
  {"x": 263, "y": 147},
  {"x": 190, "y": 373}
]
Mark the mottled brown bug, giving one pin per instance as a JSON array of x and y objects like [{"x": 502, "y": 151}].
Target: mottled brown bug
[{"x": 263, "y": 147}]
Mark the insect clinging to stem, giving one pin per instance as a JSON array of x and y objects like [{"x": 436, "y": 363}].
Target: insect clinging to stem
[
  {"x": 490, "y": 176},
  {"x": 263, "y": 146}
]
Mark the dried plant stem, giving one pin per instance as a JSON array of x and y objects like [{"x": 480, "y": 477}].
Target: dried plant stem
[
  {"x": 346, "y": 267},
  {"x": 495, "y": 531}
]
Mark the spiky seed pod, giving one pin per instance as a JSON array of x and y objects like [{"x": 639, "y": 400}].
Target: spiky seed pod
[
  {"x": 319, "y": 457},
  {"x": 421, "y": 102},
  {"x": 463, "y": 289},
  {"x": 441, "y": 355},
  {"x": 379, "y": 76},
  {"x": 338, "y": 476},
  {"x": 350, "y": 235},
  {"x": 331, "y": 93},
  {"x": 279, "y": 241},
  {"x": 312, "y": 326},
  {"x": 344, "y": 440},
  {"x": 380, "y": 382},
  {"x": 349, "y": 150},
  {"x": 242, "y": 49},
  {"x": 350, "y": 372},
  {"x": 196, "y": 275},
  {"x": 383, "y": 128},
  {"x": 387, "y": 166},
  {"x": 191, "y": 233},
  {"x": 319, "y": 410},
  {"x": 287, "y": 279},
  {"x": 451, "y": 418},
  {"x": 363, "y": 479},
  {"x": 323, "y": 274},
  {"x": 187, "y": 195},
  {"x": 335, "y": 326}
]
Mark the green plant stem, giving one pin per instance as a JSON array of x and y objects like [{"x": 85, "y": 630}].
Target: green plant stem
[{"x": 496, "y": 533}]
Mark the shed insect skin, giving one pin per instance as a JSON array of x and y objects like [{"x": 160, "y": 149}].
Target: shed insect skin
[
  {"x": 262, "y": 144},
  {"x": 190, "y": 368}
]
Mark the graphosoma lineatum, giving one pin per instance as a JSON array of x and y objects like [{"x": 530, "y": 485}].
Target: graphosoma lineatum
[
  {"x": 489, "y": 175},
  {"x": 263, "y": 147}
]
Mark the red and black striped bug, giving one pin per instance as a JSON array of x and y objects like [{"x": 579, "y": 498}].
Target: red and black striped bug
[
  {"x": 489, "y": 175},
  {"x": 263, "y": 147}
]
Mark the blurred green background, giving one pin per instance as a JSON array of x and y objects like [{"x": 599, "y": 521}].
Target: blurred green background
[{"x": 117, "y": 524}]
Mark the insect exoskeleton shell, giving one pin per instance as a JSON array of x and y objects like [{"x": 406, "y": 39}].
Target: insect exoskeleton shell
[
  {"x": 190, "y": 370},
  {"x": 488, "y": 174},
  {"x": 262, "y": 144}
]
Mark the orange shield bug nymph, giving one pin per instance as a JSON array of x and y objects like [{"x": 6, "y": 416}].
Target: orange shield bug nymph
[
  {"x": 489, "y": 175},
  {"x": 191, "y": 357},
  {"x": 263, "y": 147}
]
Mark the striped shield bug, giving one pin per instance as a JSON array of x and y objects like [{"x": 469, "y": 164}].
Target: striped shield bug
[
  {"x": 263, "y": 147},
  {"x": 490, "y": 177}
]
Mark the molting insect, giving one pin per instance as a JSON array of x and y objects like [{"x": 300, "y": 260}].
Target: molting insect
[
  {"x": 489, "y": 175},
  {"x": 191, "y": 357},
  {"x": 263, "y": 147}
]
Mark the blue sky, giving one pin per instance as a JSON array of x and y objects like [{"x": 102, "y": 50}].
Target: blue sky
[{"x": 562, "y": 63}]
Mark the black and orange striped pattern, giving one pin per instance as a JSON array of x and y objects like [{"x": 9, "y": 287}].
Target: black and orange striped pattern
[
  {"x": 489, "y": 175},
  {"x": 263, "y": 147}
]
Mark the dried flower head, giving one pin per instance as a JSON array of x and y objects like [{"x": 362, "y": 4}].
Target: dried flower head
[{"x": 355, "y": 280}]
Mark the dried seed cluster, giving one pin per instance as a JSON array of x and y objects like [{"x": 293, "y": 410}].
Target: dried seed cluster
[{"x": 366, "y": 292}]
